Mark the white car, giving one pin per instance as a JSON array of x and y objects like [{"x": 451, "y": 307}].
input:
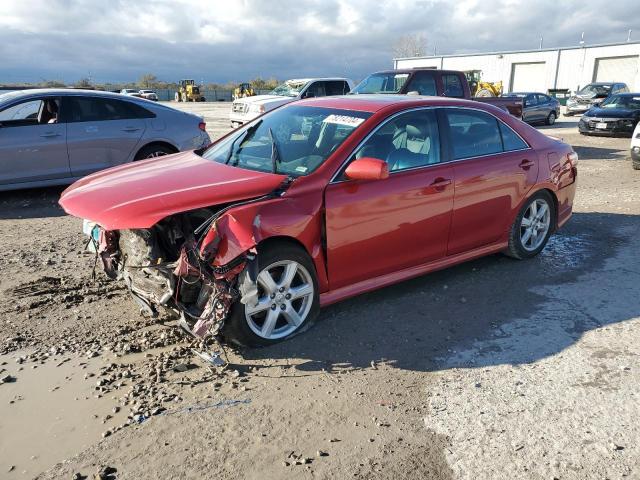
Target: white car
[
  {"x": 635, "y": 148},
  {"x": 149, "y": 95},
  {"x": 244, "y": 110},
  {"x": 131, "y": 92}
]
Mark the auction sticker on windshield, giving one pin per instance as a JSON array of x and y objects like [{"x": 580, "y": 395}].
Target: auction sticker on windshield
[{"x": 343, "y": 120}]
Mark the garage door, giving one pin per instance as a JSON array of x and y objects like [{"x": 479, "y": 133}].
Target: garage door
[
  {"x": 616, "y": 69},
  {"x": 528, "y": 77}
]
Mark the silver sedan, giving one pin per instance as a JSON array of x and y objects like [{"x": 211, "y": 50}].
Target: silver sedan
[{"x": 56, "y": 136}]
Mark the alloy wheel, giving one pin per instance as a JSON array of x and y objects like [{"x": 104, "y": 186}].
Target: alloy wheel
[
  {"x": 285, "y": 298},
  {"x": 535, "y": 224},
  {"x": 159, "y": 153}
]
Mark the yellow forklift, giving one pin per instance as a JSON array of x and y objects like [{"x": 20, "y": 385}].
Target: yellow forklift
[
  {"x": 188, "y": 91},
  {"x": 482, "y": 89},
  {"x": 243, "y": 90}
]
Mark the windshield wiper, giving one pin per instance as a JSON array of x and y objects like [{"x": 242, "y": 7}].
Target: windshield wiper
[{"x": 249, "y": 131}]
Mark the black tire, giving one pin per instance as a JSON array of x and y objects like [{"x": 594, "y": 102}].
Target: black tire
[
  {"x": 551, "y": 119},
  {"x": 236, "y": 328},
  {"x": 516, "y": 249},
  {"x": 152, "y": 151},
  {"x": 635, "y": 164}
]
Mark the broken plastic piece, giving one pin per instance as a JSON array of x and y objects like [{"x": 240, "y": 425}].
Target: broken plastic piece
[{"x": 212, "y": 358}]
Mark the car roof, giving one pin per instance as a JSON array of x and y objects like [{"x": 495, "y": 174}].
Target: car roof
[
  {"x": 35, "y": 92},
  {"x": 305, "y": 80},
  {"x": 418, "y": 69},
  {"x": 375, "y": 102}
]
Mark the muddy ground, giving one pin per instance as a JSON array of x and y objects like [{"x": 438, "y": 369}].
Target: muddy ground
[{"x": 492, "y": 369}]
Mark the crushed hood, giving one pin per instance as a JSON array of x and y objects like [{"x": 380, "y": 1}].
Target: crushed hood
[
  {"x": 138, "y": 195},
  {"x": 612, "y": 113}
]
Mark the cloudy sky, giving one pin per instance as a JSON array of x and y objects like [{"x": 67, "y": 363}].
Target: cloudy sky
[{"x": 223, "y": 40}]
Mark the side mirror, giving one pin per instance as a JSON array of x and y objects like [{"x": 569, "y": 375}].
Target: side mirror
[{"x": 367, "y": 168}]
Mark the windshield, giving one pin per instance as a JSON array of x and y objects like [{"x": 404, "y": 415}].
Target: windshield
[
  {"x": 294, "y": 140},
  {"x": 595, "y": 90},
  {"x": 381, "y": 83},
  {"x": 290, "y": 88},
  {"x": 624, "y": 102}
]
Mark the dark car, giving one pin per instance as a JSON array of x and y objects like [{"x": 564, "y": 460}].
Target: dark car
[
  {"x": 537, "y": 107},
  {"x": 593, "y": 94},
  {"x": 617, "y": 115},
  {"x": 430, "y": 82}
]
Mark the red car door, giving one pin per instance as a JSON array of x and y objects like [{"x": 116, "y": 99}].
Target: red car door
[
  {"x": 381, "y": 226},
  {"x": 493, "y": 170}
]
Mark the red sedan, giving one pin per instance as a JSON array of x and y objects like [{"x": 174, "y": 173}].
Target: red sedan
[{"x": 321, "y": 200}]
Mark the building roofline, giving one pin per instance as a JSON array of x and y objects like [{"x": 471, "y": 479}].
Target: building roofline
[{"x": 506, "y": 52}]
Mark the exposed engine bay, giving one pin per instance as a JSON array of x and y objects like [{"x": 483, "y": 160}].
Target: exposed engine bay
[{"x": 195, "y": 264}]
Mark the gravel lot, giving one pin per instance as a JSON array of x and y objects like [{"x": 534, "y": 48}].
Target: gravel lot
[{"x": 495, "y": 369}]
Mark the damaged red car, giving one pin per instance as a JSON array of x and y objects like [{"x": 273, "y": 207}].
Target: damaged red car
[{"x": 321, "y": 200}]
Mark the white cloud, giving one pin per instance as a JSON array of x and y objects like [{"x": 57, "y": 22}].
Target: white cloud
[{"x": 235, "y": 40}]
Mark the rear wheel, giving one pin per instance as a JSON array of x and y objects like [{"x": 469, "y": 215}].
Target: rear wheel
[
  {"x": 532, "y": 227},
  {"x": 635, "y": 164},
  {"x": 551, "y": 119},
  {"x": 153, "y": 151},
  {"x": 288, "y": 299}
]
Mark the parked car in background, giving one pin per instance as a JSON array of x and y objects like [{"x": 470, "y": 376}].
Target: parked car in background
[
  {"x": 616, "y": 115},
  {"x": 593, "y": 94},
  {"x": 244, "y": 110},
  {"x": 635, "y": 148},
  {"x": 537, "y": 107},
  {"x": 131, "y": 92},
  {"x": 321, "y": 200},
  {"x": 149, "y": 95},
  {"x": 430, "y": 82},
  {"x": 55, "y": 136}
]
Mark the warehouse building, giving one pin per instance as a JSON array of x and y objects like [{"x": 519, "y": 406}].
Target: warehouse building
[{"x": 543, "y": 69}]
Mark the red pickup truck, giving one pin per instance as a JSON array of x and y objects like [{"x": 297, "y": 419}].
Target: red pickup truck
[{"x": 428, "y": 81}]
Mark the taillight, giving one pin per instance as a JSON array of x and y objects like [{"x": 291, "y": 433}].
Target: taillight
[
  {"x": 573, "y": 158},
  {"x": 202, "y": 126}
]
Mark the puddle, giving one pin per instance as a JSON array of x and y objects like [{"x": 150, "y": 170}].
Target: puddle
[
  {"x": 567, "y": 250},
  {"x": 49, "y": 413}
]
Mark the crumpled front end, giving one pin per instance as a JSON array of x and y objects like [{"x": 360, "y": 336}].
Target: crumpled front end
[{"x": 195, "y": 264}]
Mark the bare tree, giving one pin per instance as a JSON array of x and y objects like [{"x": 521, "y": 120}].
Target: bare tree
[
  {"x": 410, "y": 45},
  {"x": 83, "y": 83},
  {"x": 148, "y": 80}
]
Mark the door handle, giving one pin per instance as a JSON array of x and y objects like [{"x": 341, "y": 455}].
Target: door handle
[
  {"x": 440, "y": 183},
  {"x": 50, "y": 135},
  {"x": 526, "y": 164},
  {"x": 130, "y": 129}
]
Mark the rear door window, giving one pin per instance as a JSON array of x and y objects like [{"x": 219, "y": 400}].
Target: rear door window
[
  {"x": 94, "y": 109},
  {"x": 452, "y": 86},
  {"x": 422, "y": 82},
  {"x": 472, "y": 133},
  {"x": 511, "y": 140}
]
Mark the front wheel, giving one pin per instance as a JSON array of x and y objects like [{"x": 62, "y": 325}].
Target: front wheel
[
  {"x": 551, "y": 119},
  {"x": 532, "y": 227},
  {"x": 288, "y": 299}
]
